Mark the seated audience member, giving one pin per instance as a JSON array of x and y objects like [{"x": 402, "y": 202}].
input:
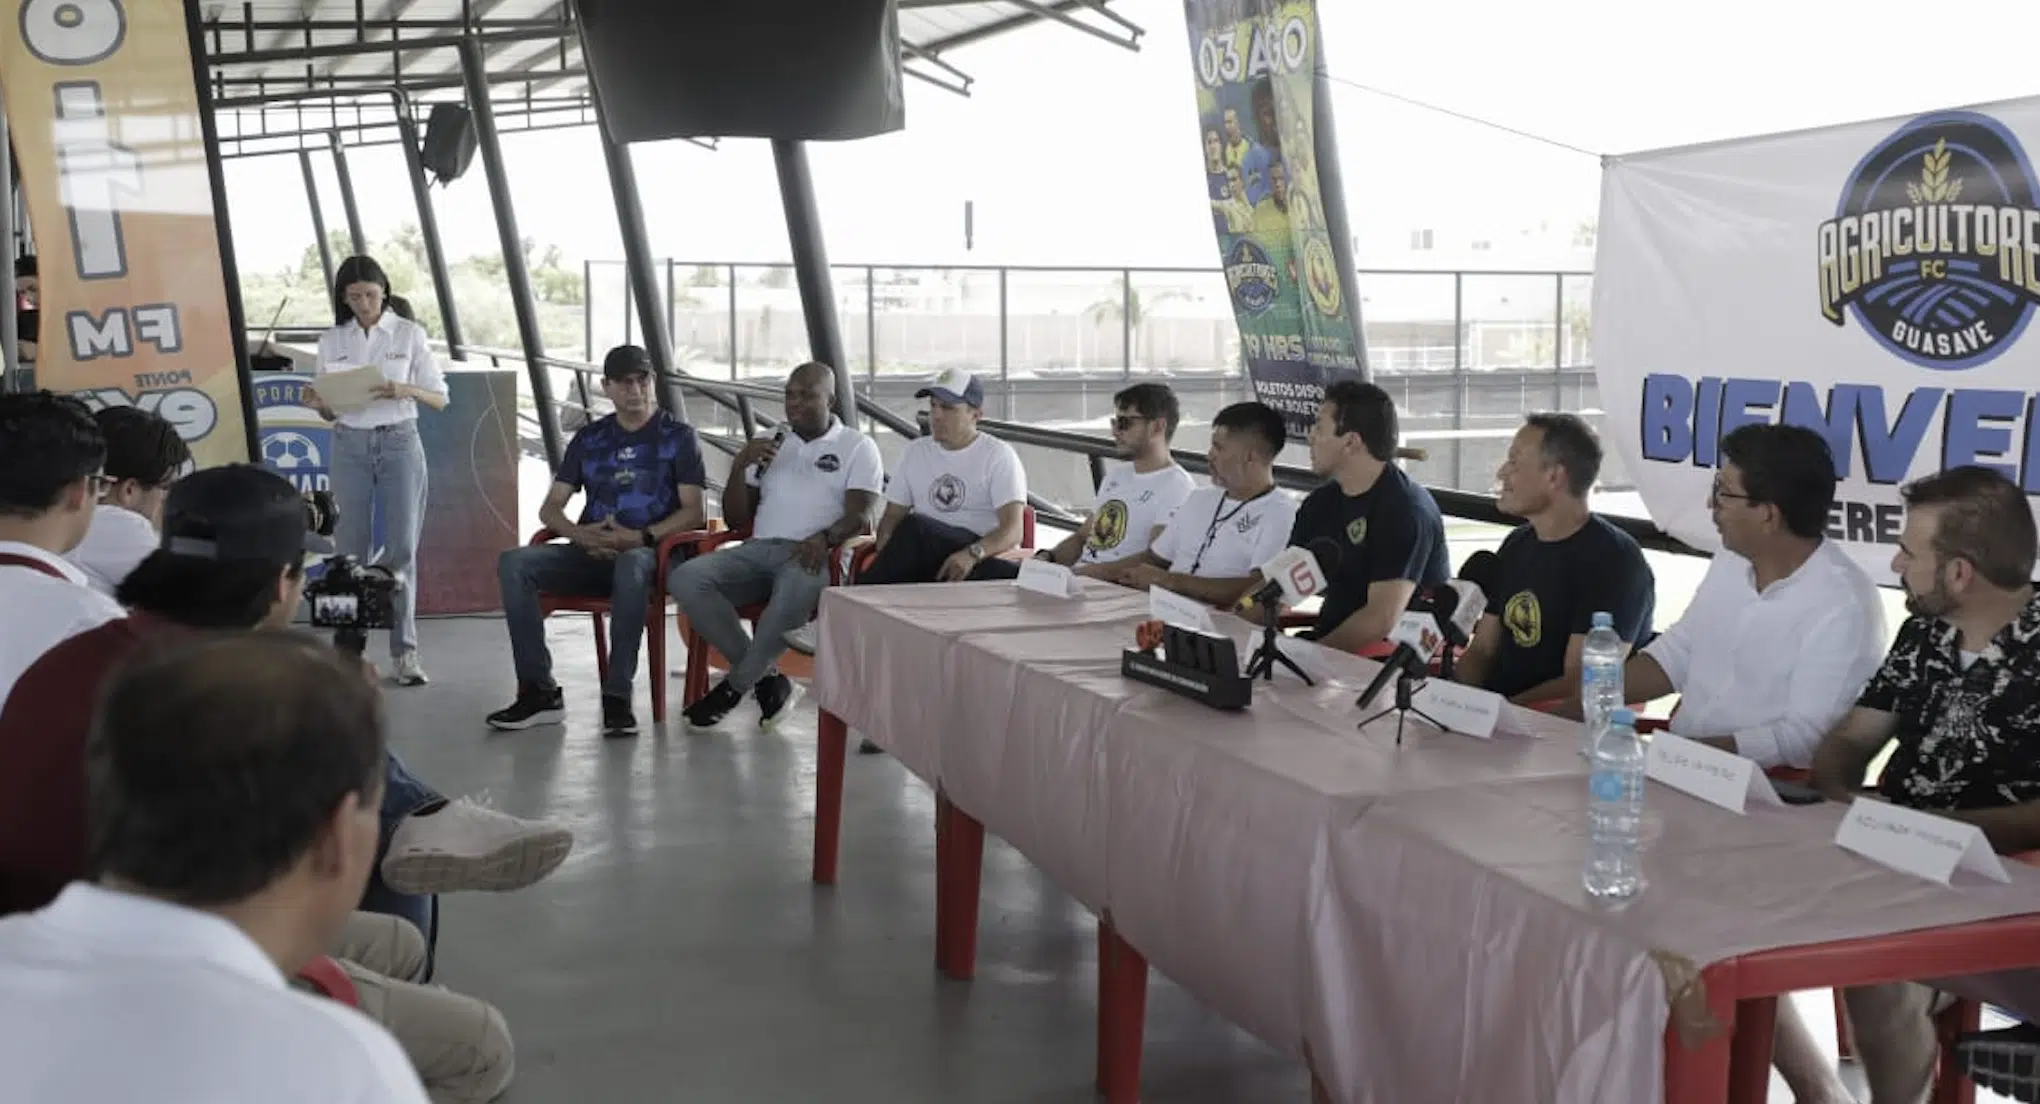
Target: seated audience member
[
  {"x": 1222, "y": 532},
  {"x": 232, "y": 792},
  {"x": 27, "y": 312},
  {"x": 958, "y": 499},
  {"x": 1555, "y": 571},
  {"x": 1960, "y": 693},
  {"x": 51, "y": 456},
  {"x": 1785, "y": 628},
  {"x": 641, "y": 470},
  {"x": 1390, "y": 535},
  {"x": 800, "y": 496},
  {"x": 144, "y": 455},
  {"x": 1135, "y": 500}
]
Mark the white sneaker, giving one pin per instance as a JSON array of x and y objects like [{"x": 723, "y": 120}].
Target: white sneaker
[
  {"x": 802, "y": 639},
  {"x": 465, "y": 845},
  {"x": 410, "y": 672}
]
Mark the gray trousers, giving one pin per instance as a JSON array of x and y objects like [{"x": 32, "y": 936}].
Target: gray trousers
[
  {"x": 710, "y": 588},
  {"x": 383, "y": 466}
]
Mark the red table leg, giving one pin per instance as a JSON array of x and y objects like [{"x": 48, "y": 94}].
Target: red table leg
[
  {"x": 1122, "y": 1016},
  {"x": 833, "y": 738},
  {"x": 1951, "y": 1084},
  {"x": 1756, "y": 1021},
  {"x": 1699, "y": 1074},
  {"x": 959, "y": 870}
]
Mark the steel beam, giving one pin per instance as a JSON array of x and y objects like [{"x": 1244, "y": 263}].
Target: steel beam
[
  {"x": 318, "y": 218},
  {"x": 811, "y": 270},
  {"x": 10, "y": 333},
  {"x": 515, "y": 272},
  {"x": 637, "y": 256},
  {"x": 230, "y": 273},
  {"x": 356, "y": 49},
  {"x": 347, "y": 202},
  {"x": 428, "y": 229}
]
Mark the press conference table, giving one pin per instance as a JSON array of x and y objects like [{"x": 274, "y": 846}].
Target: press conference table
[{"x": 1407, "y": 919}]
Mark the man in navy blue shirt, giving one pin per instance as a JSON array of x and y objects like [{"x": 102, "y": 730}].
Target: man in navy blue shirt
[{"x": 641, "y": 474}]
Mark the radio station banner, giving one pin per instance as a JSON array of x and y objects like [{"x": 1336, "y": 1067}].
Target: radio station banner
[
  {"x": 1873, "y": 282},
  {"x": 104, "y": 112},
  {"x": 1287, "y": 265}
]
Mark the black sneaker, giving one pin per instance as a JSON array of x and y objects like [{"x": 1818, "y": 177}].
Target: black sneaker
[
  {"x": 776, "y": 694},
  {"x": 617, "y": 719},
  {"x": 866, "y": 747},
  {"x": 713, "y": 706},
  {"x": 532, "y": 707}
]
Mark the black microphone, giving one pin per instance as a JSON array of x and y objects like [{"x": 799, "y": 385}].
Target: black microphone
[
  {"x": 1323, "y": 549},
  {"x": 778, "y": 441}
]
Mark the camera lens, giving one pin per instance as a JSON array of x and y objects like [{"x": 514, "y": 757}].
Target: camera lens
[{"x": 320, "y": 512}]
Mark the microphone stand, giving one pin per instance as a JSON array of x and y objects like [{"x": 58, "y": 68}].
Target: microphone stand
[
  {"x": 1406, "y": 686},
  {"x": 1262, "y": 666}
]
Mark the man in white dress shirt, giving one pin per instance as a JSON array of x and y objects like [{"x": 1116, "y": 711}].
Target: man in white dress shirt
[
  {"x": 144, "y": 456},
  {"x": 1778, "y": 642},
  {"x": 1223, "y": 532},
  {"x": 51, "y": 459},
  {"x": 232, "y": 791},
  {"x": 801, "y": 493}
]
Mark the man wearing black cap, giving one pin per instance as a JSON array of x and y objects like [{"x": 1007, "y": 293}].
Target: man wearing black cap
[
  {"x": 234, "y": 544},
  {"x": 641, "y": 471},
  {"x": 958, "y": 497}
]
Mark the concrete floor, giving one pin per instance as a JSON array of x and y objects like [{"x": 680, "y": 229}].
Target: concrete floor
[{"x": 681, "y": 953}]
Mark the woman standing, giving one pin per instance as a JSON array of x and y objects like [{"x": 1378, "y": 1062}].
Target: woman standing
[{"x": 377, "y": 457}]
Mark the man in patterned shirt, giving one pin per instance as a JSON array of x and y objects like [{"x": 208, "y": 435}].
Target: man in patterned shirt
[
  {"x": 1960, "y": 693},
  {"x": 641, "y": 475}
]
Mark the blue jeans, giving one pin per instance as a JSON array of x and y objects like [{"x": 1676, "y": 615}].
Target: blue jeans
[
  {"x": 710, "y": 588},
  {"x": 403, "y": 795},
  {"x": 569, "y": 571},
  {"x": 383, "y": 466}
]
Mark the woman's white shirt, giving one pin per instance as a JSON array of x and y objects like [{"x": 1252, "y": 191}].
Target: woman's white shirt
[{"x": 396, "y": 345}]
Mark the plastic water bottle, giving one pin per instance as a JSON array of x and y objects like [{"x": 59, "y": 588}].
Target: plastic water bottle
[
  {"x": 1601, "y": 658},
  {"x": 1614, "y": 870}
]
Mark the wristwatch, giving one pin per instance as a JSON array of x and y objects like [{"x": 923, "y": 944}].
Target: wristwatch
[
  {"x": 977, "y": 550},
  {"x": 1046, "y": 554}
]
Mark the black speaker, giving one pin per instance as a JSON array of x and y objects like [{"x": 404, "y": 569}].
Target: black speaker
[
  {"x": 449, "y": 141},
  {"x": 791, "y": 69}
]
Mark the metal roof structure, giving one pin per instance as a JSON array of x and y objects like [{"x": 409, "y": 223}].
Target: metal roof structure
[{"x": 288, "y": 73}]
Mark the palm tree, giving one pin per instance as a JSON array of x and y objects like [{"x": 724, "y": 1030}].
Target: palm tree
[{"x": 1132, "y": 311}]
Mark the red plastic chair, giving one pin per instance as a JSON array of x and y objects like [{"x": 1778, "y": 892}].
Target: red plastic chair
[
  {"x": 655, "y": 620},
  {"x": 701, "y": 655},
  {"x": 326, "y": 978}
]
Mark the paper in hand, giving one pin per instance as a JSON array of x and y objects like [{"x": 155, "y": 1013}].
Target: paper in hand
[{"x": 351, "y": 391}]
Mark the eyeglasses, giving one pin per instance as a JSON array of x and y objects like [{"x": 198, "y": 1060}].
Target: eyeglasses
[
  {"x": 1123, "y": 422},
  {"x": 100, "y": 482},
  {"x": 1716, "y": 493}
]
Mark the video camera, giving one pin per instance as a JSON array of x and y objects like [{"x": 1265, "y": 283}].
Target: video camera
[{"x": 347, "y": 597}]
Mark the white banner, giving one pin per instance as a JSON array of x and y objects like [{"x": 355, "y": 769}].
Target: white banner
[{"x": 1872, "y": 282}]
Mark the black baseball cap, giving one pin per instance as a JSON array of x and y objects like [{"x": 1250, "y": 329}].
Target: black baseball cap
[
  {"x": 239, "y": 512},
  {"x": 625, "y": 362}
]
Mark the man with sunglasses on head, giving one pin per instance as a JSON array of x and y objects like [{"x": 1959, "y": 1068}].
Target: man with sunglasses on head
[
  {"x": 52, "y": 456},
  {"x": 1135, "y": 500},
  {"x": 1209, "y": 550},
  {"x": 144, "y": 456}
]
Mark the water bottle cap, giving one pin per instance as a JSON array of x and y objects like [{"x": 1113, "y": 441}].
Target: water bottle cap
[
  {"x": 1624, "y": 717},
  {"x": 1604, "y": 620}
]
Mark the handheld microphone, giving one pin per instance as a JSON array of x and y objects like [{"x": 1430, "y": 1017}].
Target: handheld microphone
[
  {"x": 778, "y": 441},
  {"x": 1295, "y": 574}
]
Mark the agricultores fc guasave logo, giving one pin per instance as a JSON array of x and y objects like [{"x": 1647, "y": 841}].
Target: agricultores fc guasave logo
[{"x": 1935, "y": 246}]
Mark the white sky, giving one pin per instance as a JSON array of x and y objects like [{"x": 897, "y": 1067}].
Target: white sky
[{"x": 1078, "y": 152}]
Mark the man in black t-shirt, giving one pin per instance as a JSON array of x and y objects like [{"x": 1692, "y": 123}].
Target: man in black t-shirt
[
  {"x": 1390, "y": 535},
  {"x": 1557, "y": 570}
]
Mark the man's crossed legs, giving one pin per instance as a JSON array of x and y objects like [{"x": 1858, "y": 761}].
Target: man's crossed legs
[
  {"x": 711, "y": 588},
  {"x": 459, "y": 1045}
]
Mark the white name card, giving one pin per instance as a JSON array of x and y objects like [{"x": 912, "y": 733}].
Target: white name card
[
  {"x": 1171, "y": 608},
  {"x": 1917, "y": 843},
  {"x": 1467, "y": 710},
  {"x": 1052, "y": 579},
  {"x": 1715, "y": 776}
]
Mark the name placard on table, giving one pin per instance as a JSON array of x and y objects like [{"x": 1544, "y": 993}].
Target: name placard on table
[
  {"x": 1467, "y": 710},
  {"x": 1715, "y": 776},
  {"x": 1052, "y": 579},
  {"x": 1917, "y": 843}
]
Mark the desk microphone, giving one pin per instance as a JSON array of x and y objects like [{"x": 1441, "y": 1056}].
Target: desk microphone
[
  {"x": 1295, "y": 574},
  {"x": 1439, "y": 618}
]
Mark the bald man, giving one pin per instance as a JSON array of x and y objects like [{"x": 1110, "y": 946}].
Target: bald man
[{"x": 801, "y": 493}]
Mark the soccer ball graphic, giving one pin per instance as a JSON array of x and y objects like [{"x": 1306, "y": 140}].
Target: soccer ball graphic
[{"x": 287, "y": 452}]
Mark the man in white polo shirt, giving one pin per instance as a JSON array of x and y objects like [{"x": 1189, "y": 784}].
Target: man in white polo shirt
[
  {"x": 51, "y": 459},
  {"x": 144, "y": 456},
  {"x": 232, "y": 791},
  {"x": 1223, "y": 532},
  {"x": 1135, "y": 499},
  {"x": 958, "y": 499},
  {"x": 801, "y": 493}
]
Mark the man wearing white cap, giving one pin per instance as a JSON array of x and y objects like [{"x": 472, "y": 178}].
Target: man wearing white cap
[{"x": 957, "y": 498}]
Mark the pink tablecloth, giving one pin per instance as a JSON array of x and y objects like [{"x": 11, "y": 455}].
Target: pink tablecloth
[{"x": 1410, "y": 917}]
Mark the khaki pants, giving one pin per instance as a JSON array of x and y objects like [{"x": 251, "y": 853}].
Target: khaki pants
[
  {"x": 460, "y": 1046},
  {"x": 1894, "y": 1026}
]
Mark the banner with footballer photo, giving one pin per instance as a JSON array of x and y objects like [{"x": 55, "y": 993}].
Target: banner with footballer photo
[
  {"x": 1873, "y": 282},
  {"x": 1271, "y": 168}
]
